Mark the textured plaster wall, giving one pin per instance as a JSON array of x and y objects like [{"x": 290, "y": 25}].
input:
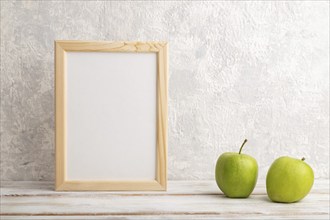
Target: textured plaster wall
[{"x": 255, "y": 70}]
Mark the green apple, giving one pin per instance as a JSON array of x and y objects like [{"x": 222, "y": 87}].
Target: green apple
[
  {"x": 289, "y": 180},
  {"x": 236, "y": 174}
]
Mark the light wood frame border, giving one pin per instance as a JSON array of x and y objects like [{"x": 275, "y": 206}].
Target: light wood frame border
[{"x": 161, "y": 49}]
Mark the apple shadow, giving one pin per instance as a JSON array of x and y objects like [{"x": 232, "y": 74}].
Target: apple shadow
[
  {"x": 216, "y": 195},
  {"x": 266, "y": 199},
  {"x": 223, "y": 196}
]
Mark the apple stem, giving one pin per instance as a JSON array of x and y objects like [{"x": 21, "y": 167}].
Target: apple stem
[
  {"x": 303, "y": 158},
  {"x": 242, "y": 146}
]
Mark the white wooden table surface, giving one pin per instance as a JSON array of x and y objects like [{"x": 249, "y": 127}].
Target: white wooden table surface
[{"x": 183, "y": 200}]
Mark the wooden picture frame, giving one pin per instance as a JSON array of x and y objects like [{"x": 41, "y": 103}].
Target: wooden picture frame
[{"x": 62, "y": 86}]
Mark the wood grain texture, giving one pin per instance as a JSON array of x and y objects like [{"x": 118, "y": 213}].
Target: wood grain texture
[
  {"x": 111, "y": 185},
  {"x": 109, "y": 46},
  {"x": 183, "y": 200},
  {"x": 60, "y": 115},
  {"x": 162, "y": 115},
  {"x": 161, "y": 49}
]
